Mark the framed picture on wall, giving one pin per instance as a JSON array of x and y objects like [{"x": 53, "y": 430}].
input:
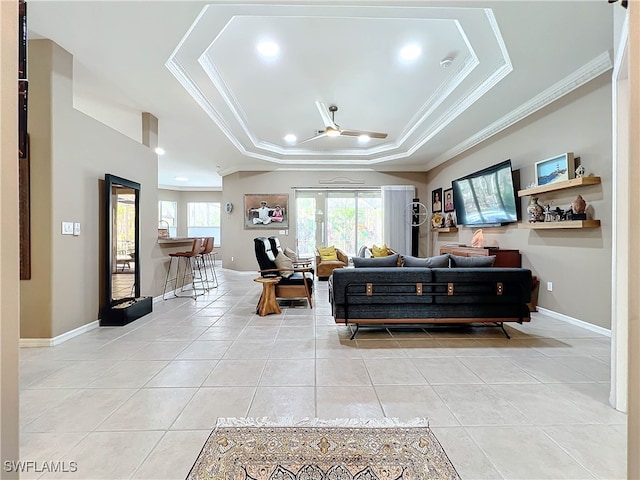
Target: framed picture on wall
[
  {"x": 448, "y": 200},
  {"x": 266, "y": 211},
  {"x": 556, "y": 169},
  {"x": 436, "y": 200}
]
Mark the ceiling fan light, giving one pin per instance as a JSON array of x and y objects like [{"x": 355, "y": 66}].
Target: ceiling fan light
[
  {"x": 290, "y": 138},
  {"x": 332, "y": 132},
  {"x": 364, "y": 138}
]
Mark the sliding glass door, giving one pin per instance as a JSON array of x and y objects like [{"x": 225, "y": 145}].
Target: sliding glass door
[{"x": 347, "y": 219}]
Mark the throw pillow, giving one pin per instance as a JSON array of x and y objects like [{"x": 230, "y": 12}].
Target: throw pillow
[
  {"x": 282, "y": 261},
  {"x": 388, "y": 261},
  {"x": 382, "y": 251},
  {"x": 327, "y": 253},
  {"x": 291, "y": 254},
  {"x": 470, "y": 262},
  {"x": 439, "y": 261}
]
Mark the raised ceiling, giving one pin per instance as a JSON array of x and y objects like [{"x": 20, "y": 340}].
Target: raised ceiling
[{"x": 224, "y": 107}]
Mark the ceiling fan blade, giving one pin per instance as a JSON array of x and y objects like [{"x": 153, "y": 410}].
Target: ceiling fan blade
[
  {"x": 324, "y": 113},
  {"x": 315, "y": 137},
  {"x": 357, "y": 133}
]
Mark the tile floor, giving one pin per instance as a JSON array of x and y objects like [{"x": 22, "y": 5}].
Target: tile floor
[{"x": 139, "y": 401}]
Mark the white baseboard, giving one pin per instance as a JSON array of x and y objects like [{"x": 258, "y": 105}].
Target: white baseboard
[
  {"x": 575, "y": 321},
  {"x": 50, "y": 342}
]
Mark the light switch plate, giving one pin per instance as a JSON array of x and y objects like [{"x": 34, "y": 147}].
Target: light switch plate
[
  {"x": 67, "y": 228},
  {"x": 76, "y": 229}
]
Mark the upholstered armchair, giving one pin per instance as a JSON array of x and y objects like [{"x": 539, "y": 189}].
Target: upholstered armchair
[
  {"x": 295, "y": 282},
  {"x": 328, "y": 265}
]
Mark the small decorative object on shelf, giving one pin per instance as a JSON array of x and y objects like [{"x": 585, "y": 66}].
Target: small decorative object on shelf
[
  {"x": 535, "y": 211},
  {"x": 580, "y": 171},
  {"x": 554, "y": 214},
  {"x": 578, "y": 205},
  {"x": 437, "y": 220}
]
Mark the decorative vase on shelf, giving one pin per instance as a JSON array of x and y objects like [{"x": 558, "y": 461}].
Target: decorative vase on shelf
[{"x": 535, "y": 210}]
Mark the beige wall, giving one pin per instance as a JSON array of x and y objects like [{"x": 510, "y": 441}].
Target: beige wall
[
  {"x": 238, "y": 242},
  {"x": 9, "y": 269},
  {"x": 73, "y": 152},
  {"x": 578, "y": 262}
]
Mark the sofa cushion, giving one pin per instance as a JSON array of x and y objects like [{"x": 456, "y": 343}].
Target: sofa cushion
[
  {"x": 388, "y": 261},
  {"x": 382, "y": 251},
  {"x": 327, "y": 253},
  {"x": 282, "y": 261},
  {"x": 439, "y": 261},
  {"x": 471, "y": 262},
  {"x": 365, "y": 252}
]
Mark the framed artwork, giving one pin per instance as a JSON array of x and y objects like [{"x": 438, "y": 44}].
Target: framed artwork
[
  {"x": 555, "y": 169},
  {"x": 448, "y": 200},
  {"x": 436, "y": 200},
  {"x": 266, "y": 211}
]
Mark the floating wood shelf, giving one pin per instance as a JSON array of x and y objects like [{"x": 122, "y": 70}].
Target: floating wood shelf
[
  {"x": 564, "y": 224},
  {"x": 575, "y": 182},
  {"x": 445, "y": 229}
]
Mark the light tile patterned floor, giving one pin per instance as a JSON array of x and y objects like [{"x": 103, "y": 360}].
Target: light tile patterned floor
[{"x": 139, "y": 401}]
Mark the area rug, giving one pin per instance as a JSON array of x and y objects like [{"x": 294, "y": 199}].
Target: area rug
[{"x": 313, "y": 449}]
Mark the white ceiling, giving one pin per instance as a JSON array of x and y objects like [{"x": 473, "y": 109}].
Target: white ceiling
[{"x": 222, "y": 107}]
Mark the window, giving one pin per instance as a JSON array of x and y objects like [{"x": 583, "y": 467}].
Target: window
[
  {"x": 167, "y": 212},
  {"x": 347, "y": 219},
  {"x": 204, "y": 220}
]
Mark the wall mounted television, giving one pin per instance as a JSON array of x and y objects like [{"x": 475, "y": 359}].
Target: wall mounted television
[{"x": 487, "y": 198}]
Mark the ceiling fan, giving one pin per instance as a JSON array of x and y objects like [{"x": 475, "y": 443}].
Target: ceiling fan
[{"x": 332, "y": 129}]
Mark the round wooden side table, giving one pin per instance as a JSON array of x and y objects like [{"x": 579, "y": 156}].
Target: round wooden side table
[{"x": 268, "y": 303}]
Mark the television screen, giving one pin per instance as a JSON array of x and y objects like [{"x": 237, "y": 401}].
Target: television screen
[{"x": 487, "y": 197}]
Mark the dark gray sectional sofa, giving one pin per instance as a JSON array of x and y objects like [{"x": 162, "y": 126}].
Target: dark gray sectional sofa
[{"x": 401, "y": 295}]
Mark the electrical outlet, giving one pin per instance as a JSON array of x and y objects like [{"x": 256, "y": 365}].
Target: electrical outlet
[
  {"x": 67, "y": 228},
  {"x": 550, "y": 286},
  {"x": 76, "y": 229}
]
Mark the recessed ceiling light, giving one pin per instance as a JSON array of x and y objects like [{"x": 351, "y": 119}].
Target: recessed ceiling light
[
  {"x": 159, "y": 150},
  {"x": 182, "y": 179},
  {"x": 364, "y": 138},
  {"x": 410, "y": 52},
  {"x": 290, "y": 138},
  {"x": 268, "y": 49}
]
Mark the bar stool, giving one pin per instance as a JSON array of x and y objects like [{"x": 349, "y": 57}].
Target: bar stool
[
  {"x": 208, "y": 257},
  {"x": 190, "y": 265}
]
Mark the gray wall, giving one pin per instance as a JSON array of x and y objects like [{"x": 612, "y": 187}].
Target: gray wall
[
  {"x": 578, "y": 262},
  {"x": 71, "y": 154}
]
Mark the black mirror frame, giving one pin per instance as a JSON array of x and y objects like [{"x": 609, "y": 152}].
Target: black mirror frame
[
  {"x": 121, "y": 311},
  {"x": 110, "y": 181}
]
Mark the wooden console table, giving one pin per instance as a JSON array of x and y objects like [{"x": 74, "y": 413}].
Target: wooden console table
[
  {"x": 268, "y": 302},
  {"x": 504, "y": 258}
]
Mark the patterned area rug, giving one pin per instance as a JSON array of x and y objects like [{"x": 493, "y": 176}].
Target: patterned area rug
[{"x": 260, "y": 449}]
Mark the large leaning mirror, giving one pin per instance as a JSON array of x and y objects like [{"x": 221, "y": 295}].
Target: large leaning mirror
[{"x": 122, "y": 267}]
